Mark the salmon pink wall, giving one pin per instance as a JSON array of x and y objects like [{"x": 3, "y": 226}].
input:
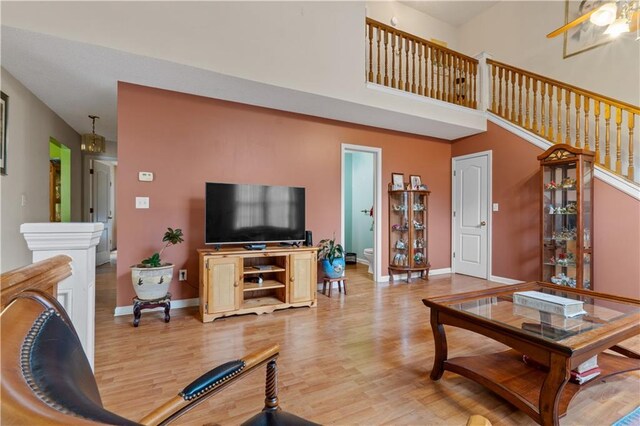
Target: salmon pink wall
[
  {"x": 187, "y": 140},
  {"x": 516, "y": 227}
]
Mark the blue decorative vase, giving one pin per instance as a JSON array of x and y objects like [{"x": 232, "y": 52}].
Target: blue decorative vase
[{"x": 335, "y": 269}]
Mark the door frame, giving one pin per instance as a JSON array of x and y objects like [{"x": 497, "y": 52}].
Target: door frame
[
  {"x": 454, "y": 160},
  {"x": 377, "y": 200}
]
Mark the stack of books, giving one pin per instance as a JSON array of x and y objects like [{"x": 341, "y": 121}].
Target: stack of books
[{"x": 585, "y": 372}]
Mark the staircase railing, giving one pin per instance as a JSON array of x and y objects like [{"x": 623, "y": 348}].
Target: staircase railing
[
  {"x": 403, "y": 61},
  {"x": 562, "y": 113}
]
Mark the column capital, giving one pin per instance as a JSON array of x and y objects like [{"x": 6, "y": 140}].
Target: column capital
[{"x": 61, "y": 236}]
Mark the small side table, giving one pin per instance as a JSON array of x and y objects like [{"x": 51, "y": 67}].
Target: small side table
[
  {"x": 140, "y": 304},
  {"x": 342, "y": 285}
]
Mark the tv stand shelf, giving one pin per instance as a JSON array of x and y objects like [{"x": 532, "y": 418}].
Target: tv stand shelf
[{"x": 229, "y": 280}]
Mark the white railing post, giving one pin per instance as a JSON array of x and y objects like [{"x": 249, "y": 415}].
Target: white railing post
[
  {"x": 77, "y": 293},
  {"x": 484, "y": 79}
]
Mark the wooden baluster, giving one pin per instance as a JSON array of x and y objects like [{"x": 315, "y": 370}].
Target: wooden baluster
[
  {"x": 468, "y": 89},
  {"x": 586, "y": 143},
  {"x": 413, "y": 66},
  {"x": 543, "y": 90},
  {"x": 527, "y": 88},
  {"x": 434, "y": 61},
  {"x": 577, "y": 101},
  {"x": 619, "y": 140},
  {"x": 407, "y": 47},
  {"x": 520, "y": 117},
  {"x": 631, "y": 170},
  {"x": 446, "y": 75},
  {"x": 386, "y": 57},
  {"x": 400, "y": 44},
  {"x": 457, "y": 93},
  {"x": 420, "y": 92},
  {"x": 393, "y": 61},
  {"x": 378, "y": 39},
  {"x": 534, "y": 122},
  {"x": 493, "y": 89},
  {"x": 370, "y": 76},
  {"x": 607, "y": 135},
  {"x": 596, "y": 113},
  {"x": 559, "y": 119},
  {"x": 439, "y": 76},
  {"x": 474, "y": 90},
  {"x": 500, "y": 107},
  {"x": 550, "y": 114},
  {"x": 513, "y": 95},
  {"x": 426, "y": 70},
  {"x": 567, "y": 101}
]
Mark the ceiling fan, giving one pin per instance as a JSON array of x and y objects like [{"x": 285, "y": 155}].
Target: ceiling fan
[{"x": 621, "y": 16}]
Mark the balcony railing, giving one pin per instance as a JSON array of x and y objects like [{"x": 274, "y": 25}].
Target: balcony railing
[
  {"x": 403, "y": 61},
  {"x": 563, "y": 113}
]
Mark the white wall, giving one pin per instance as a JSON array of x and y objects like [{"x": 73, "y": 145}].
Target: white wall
[
  {"x": 413, "y": 22},
  {"x": 312, "y": 47},
  {"x": 514, "y": 32},
  {"x": 29, "y": 126}
]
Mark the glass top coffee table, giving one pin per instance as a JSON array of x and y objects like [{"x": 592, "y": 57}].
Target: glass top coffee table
[{"x": 555, "y": 344}]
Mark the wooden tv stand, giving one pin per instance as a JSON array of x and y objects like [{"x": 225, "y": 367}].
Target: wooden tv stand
[{"x": 229, "y": 280}]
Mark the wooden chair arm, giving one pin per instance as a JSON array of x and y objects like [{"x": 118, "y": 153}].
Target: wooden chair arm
[
  {"x": 42, "y": 276},
  {"x": 208, "y": 385}
]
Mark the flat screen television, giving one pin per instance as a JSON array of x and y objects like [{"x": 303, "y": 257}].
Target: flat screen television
[{"x": 239, "y": 213}]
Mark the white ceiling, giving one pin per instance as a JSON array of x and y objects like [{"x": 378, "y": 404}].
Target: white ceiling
[
  {"x": 453, "y": 12},
  {"x": 75, "y": 79}
]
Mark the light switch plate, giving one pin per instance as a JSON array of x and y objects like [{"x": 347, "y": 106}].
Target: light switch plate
[
  {"x": 142, "y": 202},
  {"x": 496, "y": 207},
  {"x": 145, "y": 176}
]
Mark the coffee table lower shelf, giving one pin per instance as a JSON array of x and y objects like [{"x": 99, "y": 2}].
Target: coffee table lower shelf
[{"x": 505, "y": 374}]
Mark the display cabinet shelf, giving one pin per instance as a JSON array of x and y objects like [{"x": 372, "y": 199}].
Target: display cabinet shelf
[{"x": 567, "y": 216}]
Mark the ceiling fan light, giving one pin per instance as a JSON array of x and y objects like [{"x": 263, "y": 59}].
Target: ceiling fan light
[
  {"x": 618, "y": 27},
  {"x": 605, "y": 15}
]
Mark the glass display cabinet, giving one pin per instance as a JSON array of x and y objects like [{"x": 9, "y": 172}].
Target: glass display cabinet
[
  {"x": 408, "y": 222},
  {"x": 567, "y": 216}
]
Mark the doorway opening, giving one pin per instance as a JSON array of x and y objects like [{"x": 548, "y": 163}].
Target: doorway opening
[
  {"x": 59, "y": 182},
  {"x": 102, "y": 206},
  {"x": 361, "y": 203}
]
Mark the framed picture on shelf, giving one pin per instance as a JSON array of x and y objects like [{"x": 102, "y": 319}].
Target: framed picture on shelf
[
  {"x": 4, "y": 104},
  {"x": 415, "y": 182},
  {"x": 397, "y": 181}
]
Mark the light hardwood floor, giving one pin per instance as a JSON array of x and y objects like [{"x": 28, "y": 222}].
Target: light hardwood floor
[{"x": 363, "y": 358}]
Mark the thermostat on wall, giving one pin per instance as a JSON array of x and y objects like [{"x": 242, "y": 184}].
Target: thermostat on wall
[{"x": 145, "y": 176}]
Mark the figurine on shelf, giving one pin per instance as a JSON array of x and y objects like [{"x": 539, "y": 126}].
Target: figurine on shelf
[
  {"x": 423, "y": 187},
  {"x": 565, "y": 235},
  {"x": 418, "y": 207},
  {"x": 551, "y": 210},
  {"x": 399, "y": 207},
  {"x": 572, "y": 208},
  {"x": 418, "y": 225},
  {"x": 562, "y": 279},
  {"x": 401, "y": 245},
  {"x": 419, "y": 243},
  {"x": 568, "y": 183},
  {"x": 418, "y": 257},
  {"x": 401, "y": 228},
  {"x": 551, "y": 185}
]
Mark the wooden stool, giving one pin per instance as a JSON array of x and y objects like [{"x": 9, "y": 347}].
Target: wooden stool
[
  {"x": 140, "y": 304},
  {"x": 342, "y": 285}
]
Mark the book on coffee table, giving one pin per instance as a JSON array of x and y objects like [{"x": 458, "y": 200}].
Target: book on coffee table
[{"x": 549, "y": 303}]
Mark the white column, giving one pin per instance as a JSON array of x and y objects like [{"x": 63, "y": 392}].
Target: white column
[
  {"x": 484, "y": 79},
  {"x": 77, "y": 293}
]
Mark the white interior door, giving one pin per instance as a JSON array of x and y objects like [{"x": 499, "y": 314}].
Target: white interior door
[
  {"x": 471, "y": 194},
  {"x": 101, "y": 206}
]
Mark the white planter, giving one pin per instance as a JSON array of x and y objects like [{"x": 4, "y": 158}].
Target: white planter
[{"x": 151, "y": 283}]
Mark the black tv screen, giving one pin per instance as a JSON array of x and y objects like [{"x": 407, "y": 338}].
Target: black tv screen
[{"x": 237, "y": 213}]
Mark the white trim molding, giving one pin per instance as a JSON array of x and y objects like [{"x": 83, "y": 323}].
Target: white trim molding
[
  {"x": 630, "y": 188},
  {"x": 175, "y": 304},
  {"x": 399, "y": 277},
  {"x": 503, "y": 280}
]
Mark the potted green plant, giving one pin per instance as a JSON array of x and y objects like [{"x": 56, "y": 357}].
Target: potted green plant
[
  {"x": 151, "y": 277},
  {"x": 331, "y": 256}
]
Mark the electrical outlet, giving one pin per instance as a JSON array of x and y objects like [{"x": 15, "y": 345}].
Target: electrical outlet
[
  {"x": 182, "y": 275},
  {"x": 142, "y": 202}
]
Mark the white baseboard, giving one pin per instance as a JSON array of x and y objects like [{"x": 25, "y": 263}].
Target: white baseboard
[
  {"x": 175, "y": 304},
  {"x": 503, "y": 280},
  {"x": 363, "y": 261},
  {"x": 440, "y": 271}
]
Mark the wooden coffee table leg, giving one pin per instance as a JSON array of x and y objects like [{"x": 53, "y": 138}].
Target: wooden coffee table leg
[
  {"x": 552, "y": 389},
  {"x": 440, "y": 340}
]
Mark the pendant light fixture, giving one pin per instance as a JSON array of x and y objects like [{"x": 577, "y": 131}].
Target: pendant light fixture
[{"x": 91, "y": 142}]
